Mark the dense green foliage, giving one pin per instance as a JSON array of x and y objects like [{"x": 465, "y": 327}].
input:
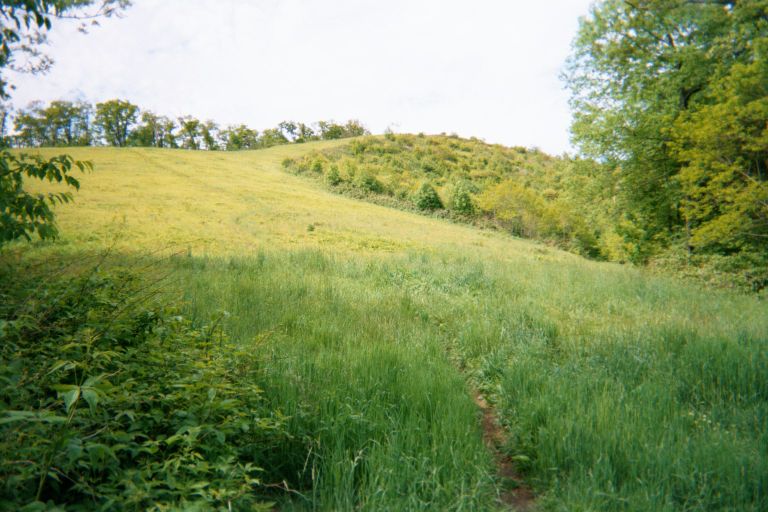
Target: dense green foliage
[
  {"x": 153, "y": 131},
  {"x": 673, "y": 95},
  {"x": 723, "y": 147},
  {"x": 111, "y": 403},
  {"x": 426, "y": 198},
  {"x": 121, "y": 123},
  {"x": 114, "y": 120},
  {"x": 24, "y": 214},
  {"x": 61, "y": 123}
]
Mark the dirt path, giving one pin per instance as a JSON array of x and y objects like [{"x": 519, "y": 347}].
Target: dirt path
[{"x": 515, "y": 494}]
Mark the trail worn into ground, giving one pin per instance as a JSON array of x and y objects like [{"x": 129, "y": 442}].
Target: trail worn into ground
[{"x": 515, "y": 494}]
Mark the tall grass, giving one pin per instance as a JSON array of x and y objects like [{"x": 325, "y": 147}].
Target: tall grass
[
  {"x": 620, "y": 392},
  {"x": 380, "y": 418}
]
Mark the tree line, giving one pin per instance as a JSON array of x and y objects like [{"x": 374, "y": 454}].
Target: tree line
[
  {"x": 673, "y": 96},
  {"x": 121, "y": 123}
]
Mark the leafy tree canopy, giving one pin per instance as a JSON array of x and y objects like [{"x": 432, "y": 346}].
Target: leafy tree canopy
[
  {"x": 654, "y": 84},
  {"x": 114, "y": 119}
]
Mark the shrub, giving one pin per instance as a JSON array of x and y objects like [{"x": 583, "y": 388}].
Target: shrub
[
  {"x": 427, "y": 199},
  {"x": 369, "y": 183},
  {"x": 746, "y": 271},
  {"x": 358, "y": 147},
  {"x": 350, "y": 167},
  {"x": 110, "y": 405},
  {"x": 461, "y": 201},
  {"x": 332, "y": 177}
]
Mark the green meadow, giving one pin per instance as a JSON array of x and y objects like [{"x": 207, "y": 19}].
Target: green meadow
[{"x": 370, "y": 330}]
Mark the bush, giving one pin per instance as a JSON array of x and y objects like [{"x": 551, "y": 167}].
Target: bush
[
  {"x": 350, "y": 167},
  {"x": 332, "y": 177},
  {"x": 745, "y": 271},
  {"x": 427, "y": 199},
  {"x": 461, "y": 201},
  {"x": 109, "y": 405},
  {"x": 628, "y": 243},
  {"x": 369, "y": 183},
  {"x": 358, "y": 147}
]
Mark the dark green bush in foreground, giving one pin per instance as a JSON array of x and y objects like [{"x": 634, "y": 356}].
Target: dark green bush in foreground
[
  {"x": 427, "y": 199},
  {"x": 108, "y": 405}
]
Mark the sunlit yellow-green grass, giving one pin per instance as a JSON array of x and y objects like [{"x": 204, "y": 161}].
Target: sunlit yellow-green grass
[
  {"x": 235, "y": 203},
  {"x": 226, "y": 204},
  {"x": 619, "y": 390}
]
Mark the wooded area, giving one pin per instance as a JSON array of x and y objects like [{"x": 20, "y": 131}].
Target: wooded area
[
  {"x": 121, "y": 123},
  {"x": 673, "y": 95}
]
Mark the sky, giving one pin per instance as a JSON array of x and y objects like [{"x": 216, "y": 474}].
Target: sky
[{"x": 483, "y": 68}]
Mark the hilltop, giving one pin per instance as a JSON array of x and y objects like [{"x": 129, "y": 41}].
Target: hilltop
[{"x": 523, "y": 191}]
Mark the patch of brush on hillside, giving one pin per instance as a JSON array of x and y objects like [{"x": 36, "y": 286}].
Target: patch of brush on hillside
[
  {"x": 571, "y": 203},
  {"x": 524, "y": 191}
]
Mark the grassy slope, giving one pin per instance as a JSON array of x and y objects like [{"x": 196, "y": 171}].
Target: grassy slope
[
  {"x": 235, "y": 203},
  {"x": 621, "y": 391}
]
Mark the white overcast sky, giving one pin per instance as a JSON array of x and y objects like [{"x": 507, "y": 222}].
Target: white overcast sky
[{"x": 484, "y": 68}]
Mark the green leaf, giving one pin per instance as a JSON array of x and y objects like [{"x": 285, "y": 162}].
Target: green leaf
[
  {"x": 70, "y": 393},
  {"x": 32, "y": 416},
  {"x": 66, "y": 365},
  {"x": 91, "y": 396}
]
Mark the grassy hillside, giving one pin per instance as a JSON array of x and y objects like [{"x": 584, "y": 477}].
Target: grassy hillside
[
  {"x": 617, "y": 390},
  {"x": 569, "y": 203},
  {"x": 574, "y": 204},
  {"x": 229, "y": 203}
]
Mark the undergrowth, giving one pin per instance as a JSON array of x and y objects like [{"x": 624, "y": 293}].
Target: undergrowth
[{"x": 111, "y": 401}]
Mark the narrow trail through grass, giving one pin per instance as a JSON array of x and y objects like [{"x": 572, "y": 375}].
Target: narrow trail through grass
[{"x": 514, "y": 493}]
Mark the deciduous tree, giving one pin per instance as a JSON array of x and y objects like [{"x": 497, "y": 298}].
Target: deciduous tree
[
  {"x": 189, "y": 132},
  {"x": 272, "y": 137},
  {"x": 240, "y": 137},
  {"x": 114, "y": 119},
  {"x": 640, "y": 72},
  {"x": 211, "y": 135}
]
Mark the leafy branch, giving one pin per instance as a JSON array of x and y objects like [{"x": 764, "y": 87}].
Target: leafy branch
[{"x": 24, "y": 214}]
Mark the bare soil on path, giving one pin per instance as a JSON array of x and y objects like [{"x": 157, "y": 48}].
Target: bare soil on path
[{"x": 515, "y": 494}]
